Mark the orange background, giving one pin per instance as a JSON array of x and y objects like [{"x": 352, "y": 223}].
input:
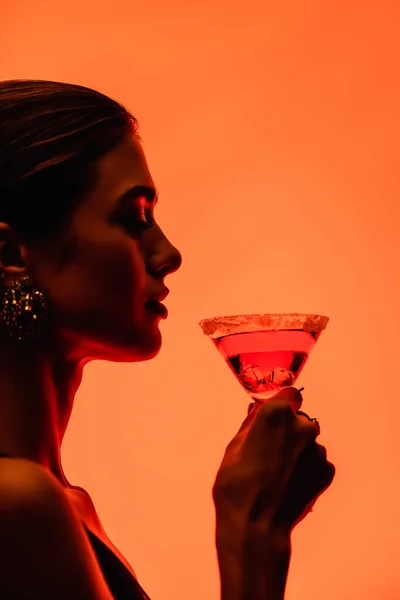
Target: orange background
[{"x": 272, "y": 131}]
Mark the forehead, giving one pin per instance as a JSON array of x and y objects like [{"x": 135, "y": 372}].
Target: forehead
[{"x": 120, "y": 169}]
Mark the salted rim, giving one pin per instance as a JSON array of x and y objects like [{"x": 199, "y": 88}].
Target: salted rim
[{"x": 220, "y": 326}]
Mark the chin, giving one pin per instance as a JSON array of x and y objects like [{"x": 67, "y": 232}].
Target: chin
[
  {"x": 125, "y": 344},
  {"x": 142, "y": 346}
]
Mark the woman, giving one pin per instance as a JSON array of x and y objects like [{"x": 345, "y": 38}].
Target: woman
[{"x": 82, "y": 267}]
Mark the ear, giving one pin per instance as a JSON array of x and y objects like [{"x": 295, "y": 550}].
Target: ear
[{"x": 12, "y": 255}]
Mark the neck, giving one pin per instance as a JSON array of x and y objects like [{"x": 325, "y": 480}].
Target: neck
[{"x": 38, "y": 387}]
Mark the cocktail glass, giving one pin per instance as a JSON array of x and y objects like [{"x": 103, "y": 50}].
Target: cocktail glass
[{"x": 265, "y": 352}]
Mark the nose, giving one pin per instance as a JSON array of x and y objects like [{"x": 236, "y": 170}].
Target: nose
[{"x": 166, "y": 259}]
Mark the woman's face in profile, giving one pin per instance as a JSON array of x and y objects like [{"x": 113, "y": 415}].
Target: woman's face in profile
[{"x": 99, "y": 274}]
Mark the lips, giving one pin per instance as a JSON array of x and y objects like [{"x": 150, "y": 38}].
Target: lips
[
  {"x": 156, "y": 308},
  {"x": 160, "y": 296},
  {"x": 154, "y": 304}
]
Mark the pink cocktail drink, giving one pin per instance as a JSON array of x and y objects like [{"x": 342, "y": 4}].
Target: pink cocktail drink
[{"x": 265, "y": 352}]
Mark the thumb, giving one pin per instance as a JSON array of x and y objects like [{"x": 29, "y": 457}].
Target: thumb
[{"x": 290, "y": 395}]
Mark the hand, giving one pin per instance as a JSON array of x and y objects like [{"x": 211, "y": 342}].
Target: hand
[{"x": 273, "y": 470}]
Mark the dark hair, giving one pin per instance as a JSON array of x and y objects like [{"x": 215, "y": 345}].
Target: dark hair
[{"x": 51, "y": 135}]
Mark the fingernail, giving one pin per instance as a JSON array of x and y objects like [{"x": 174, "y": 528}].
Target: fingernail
[
  {"x": 317, "y": 425},
  {"x": 315, "y": 421}
]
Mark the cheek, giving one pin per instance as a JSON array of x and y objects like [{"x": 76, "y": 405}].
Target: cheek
[
  {"x": 104, "y": 281},
  {"x": 118, "y": 274}
]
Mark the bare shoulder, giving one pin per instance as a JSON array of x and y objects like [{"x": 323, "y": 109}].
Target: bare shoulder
[
  {"x": 25, "y": 483},
  {"x": 44, "y": 552},
  {"x": 27, "y": 488}
]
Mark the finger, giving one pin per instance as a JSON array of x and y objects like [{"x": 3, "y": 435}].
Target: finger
[
  {"x": 303, "y": 414},
  {"x": 274, "y": 419},
  {"x": 291, "y": 395},
  {"x": 329, "y": 475},
  {"x": 314, "y": 470},
  {"x": 251, "y": 413},
  {"x": 288, "y": 397},
  {"x": 318, "y": 482},
  {"x": 312, "y": 477},
  {"x": 306, "y": 430},
  {"x": 277, "y": 416}
]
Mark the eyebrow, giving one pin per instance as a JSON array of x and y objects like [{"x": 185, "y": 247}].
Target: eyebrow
[{"x": 140, "y": 191}]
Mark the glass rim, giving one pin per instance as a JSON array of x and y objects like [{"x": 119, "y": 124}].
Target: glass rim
[{"x": 216, "y": 327}]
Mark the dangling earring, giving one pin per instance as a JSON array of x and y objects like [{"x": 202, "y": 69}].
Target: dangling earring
[{"x": 23, "y": 310}]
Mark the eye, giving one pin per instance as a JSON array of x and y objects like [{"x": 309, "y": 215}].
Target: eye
[{"x": 139, "y": 220}]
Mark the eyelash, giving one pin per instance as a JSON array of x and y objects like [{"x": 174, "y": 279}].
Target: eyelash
[{"x": 140, "y": 224}]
